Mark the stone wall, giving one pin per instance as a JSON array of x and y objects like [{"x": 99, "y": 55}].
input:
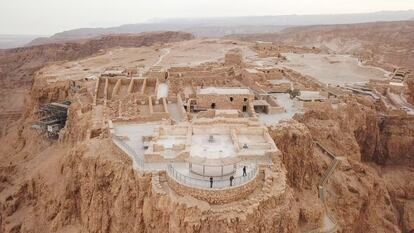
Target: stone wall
[
  {"x": 218, "y": 196},
  {"x": 181, "y": 106},
  {"x": 234, "y": 58},
  {"x": 230, "y": 101},
  {"x": 274, "y": 106},
  {"x": 158, "y": 116}
]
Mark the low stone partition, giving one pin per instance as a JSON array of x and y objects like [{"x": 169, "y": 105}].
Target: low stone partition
[
  {"x": 218, "y": 196},
  {"x": 181, "y": 106}
]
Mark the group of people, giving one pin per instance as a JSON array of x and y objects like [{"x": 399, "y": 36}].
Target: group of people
[{"x": 231, "y": 177}]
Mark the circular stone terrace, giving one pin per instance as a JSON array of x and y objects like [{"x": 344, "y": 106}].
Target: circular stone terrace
[{"x": 208, "y": 154}]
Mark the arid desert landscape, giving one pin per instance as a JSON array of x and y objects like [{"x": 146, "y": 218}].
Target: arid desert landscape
[{"x": 297, "y": 129}]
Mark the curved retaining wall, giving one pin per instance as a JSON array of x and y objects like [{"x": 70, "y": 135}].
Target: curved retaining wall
[{"x": 217, "y": 196}]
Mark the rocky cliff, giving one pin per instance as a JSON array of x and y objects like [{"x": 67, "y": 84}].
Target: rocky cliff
[
  {"x": 87, "y": 185},
  {"x": 357, "y": 131},
  {"x": 296, "y": 144},
  {"x": 375, "y": 147},
  {"x": 91, "y": 187},
  {"x": 303, "y": 171},
  {"x": 84, "y": 184}
]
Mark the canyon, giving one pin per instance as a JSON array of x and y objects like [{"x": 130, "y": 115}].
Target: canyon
[{"x": 333, "y": 158}]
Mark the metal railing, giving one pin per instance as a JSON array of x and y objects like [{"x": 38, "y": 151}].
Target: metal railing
[
  {"x": 205, "y": 183},
  {"x": 127, "y": 149},
  {"x": 322, "y": 189}
]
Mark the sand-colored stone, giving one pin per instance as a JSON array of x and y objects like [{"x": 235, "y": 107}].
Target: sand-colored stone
[{"x": 85, "y": 183}]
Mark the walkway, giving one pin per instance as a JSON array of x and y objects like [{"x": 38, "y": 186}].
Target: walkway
[
  {"x": 137, "y": 159},
  {"x": 184, "y": 176},
  {"x": 291, "y": 107},
  {"x": 329, "y": 223},
  {"x": 165, "y": 52}
]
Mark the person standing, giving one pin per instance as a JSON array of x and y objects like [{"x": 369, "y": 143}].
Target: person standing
[
  {"x": 211, "y": 182},
  {"x": 231, "y": 180},
  {"x": 244, "y": 171}
]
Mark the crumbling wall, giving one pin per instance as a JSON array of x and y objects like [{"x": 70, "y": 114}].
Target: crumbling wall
[
  {"x": 234, "y": 58},
  {"x": 410, "y": 89},
  {"x": 269, "y": 209},
  {"x": 220, "y": 101}
]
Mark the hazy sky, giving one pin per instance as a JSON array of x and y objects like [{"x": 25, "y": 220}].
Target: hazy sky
[{"x": 51, "y": 16}]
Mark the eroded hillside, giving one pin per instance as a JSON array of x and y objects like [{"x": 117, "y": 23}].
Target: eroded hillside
[
  {"x": 387, "y": 44},
  {"x": 303, "y": 156}
]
